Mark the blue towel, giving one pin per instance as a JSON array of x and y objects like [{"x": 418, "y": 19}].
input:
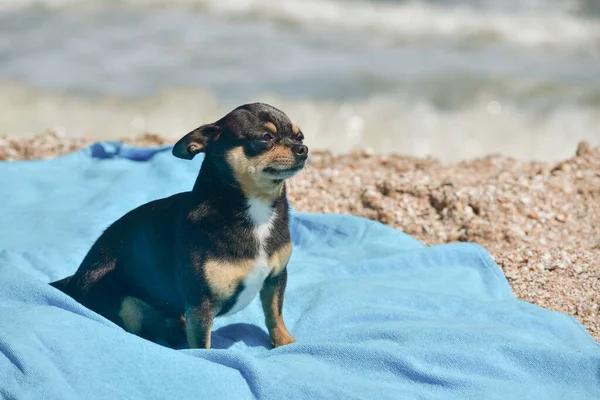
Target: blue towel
[{"x": 377, "y": 314}]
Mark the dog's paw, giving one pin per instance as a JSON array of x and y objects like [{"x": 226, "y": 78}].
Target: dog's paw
[{"x": 281, "y": 338}]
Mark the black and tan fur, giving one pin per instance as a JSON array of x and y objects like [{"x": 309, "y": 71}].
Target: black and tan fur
[{"x": 167, "y": 268}]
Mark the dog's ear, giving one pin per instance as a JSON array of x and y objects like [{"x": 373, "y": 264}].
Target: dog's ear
[{"x": 196, "y": 141}]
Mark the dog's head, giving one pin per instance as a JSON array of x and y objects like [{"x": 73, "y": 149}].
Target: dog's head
[{"x": 258, "y": 142}]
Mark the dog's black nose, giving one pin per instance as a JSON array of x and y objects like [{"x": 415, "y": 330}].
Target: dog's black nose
[{"x": 301, "y": 151}]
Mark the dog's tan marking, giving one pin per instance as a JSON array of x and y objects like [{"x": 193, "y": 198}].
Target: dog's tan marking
[
  {"x": 270, "y": 126},
  {"x": 247, "y": 172},
  {"x": 295, "y": 129},
  {"x": 271, "y": 298},
  {"x": 139, "y": 317},
  {"x": 199, "y": 320},
  {"x": 197, "y": 337},
  {"x": 224, "y": 276},
  {"x": 132, "y": 315},
  {"x": 280, "y": 258},
  {"x": 280, "y": 336},
  {"x": 280, "y": 157}
]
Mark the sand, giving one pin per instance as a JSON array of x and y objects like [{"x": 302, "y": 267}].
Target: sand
[{"x": 540, "y": 221}]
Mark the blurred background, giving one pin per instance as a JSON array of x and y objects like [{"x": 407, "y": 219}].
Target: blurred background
[{"x": 454, "y": 79}]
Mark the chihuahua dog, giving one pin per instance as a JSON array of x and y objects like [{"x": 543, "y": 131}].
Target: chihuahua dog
[{"x": 166, "y": 269}]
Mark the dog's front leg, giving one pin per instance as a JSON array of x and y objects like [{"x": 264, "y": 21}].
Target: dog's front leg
[
  {"x": 198, "y": 324},
  {"x": 271, "y": 296}
]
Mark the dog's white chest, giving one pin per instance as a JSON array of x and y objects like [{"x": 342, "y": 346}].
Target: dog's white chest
[{"x": 262, "y": 216}]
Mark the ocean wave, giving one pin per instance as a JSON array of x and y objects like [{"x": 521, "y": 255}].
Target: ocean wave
[
  {"x": 383, "y": 124},
  {"x": 551, "y": 25}
]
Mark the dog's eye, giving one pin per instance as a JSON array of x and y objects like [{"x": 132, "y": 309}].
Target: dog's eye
[
  {"x": 300, "y": 137},
  {"x": 267, "y": 136}
]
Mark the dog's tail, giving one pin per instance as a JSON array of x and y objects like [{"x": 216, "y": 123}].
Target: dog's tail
[{"x": 62, "y": 284}]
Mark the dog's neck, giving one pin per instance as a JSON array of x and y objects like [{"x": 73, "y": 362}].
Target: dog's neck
[{"x": 221, "y": 187}]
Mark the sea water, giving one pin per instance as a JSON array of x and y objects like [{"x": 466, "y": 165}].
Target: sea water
[{"x": 453, "y": 79}]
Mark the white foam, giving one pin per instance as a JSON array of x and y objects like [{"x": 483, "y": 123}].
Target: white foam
[
  {"x": 485, "y": 125},
  {"x": 534, "y": 25}
]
